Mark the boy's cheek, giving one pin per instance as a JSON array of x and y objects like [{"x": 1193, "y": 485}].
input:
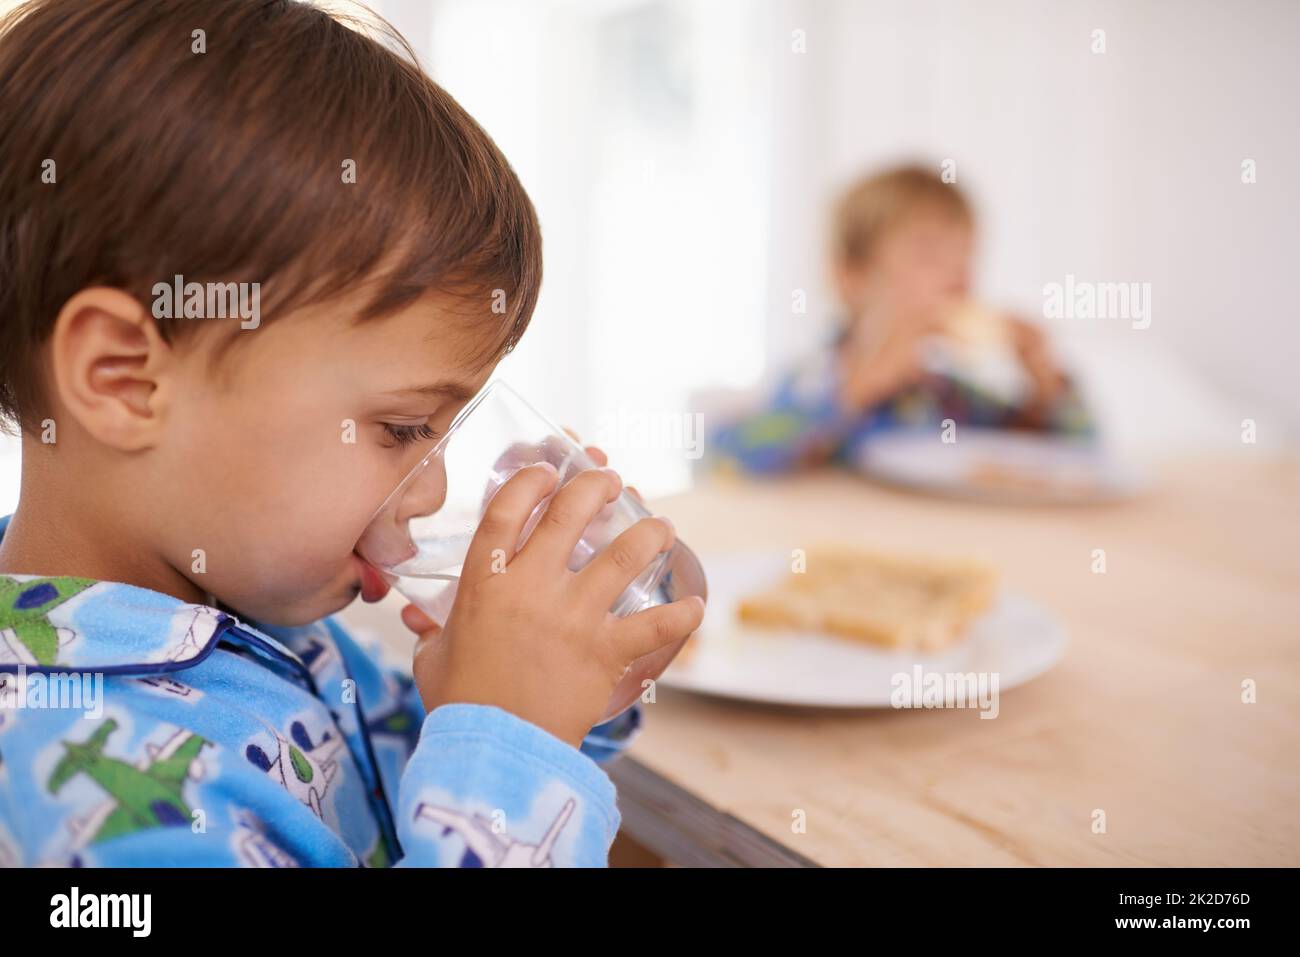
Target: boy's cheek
[{"x": 297, "y": 506}]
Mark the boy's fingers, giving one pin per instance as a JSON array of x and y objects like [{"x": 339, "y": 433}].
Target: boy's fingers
[
  {"x": 593, "y": 453},
  {"x": 652, "y": 629},
  {"x": 416, "y": 620},
  {"x": 625, "y": 558},
  {"x": 504, "y": 519},
  {"x": 569, "y": 513}
]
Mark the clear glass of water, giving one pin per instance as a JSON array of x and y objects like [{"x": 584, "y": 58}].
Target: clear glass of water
[{"x": 420, "y": 535}]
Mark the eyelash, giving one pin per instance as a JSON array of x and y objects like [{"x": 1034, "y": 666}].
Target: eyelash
[{"x": 403, "y": 435}]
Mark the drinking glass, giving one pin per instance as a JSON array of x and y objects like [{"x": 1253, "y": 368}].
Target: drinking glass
[{"x": 419, "y": 536}]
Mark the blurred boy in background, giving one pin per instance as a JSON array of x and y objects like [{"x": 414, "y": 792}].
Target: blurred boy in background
[{"x": 911, "y": 350}]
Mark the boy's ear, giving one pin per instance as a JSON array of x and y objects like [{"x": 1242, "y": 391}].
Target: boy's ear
[{"x": 110, "y": 367}]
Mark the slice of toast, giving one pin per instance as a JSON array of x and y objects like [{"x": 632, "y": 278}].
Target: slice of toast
[
  {"x": 973, "y": 326},
  {"x": 897, "y": 602}
]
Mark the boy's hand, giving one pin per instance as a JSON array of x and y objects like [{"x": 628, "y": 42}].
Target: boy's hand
[
  {"x": 532, "y": 637},
  {"x": 874, "y": 367},
  {"x": 419, "y": 622},
  {"x": 597, "y": 455},
  {"x": 1048, "y": 378}
]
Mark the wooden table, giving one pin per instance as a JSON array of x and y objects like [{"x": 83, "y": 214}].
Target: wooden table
[{"x": 1143, "y": 719}]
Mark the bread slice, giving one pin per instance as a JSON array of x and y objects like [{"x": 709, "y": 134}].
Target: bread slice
[
  {"x": 977, "y": 328},
  {"x": 906, "y": 603}
]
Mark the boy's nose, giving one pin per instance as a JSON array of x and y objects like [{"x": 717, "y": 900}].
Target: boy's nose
[
  {"x": 426, "y": 491},
  {"x": 387, "y": 540}
]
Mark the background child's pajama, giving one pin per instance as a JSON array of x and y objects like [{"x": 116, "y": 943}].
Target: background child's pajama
[{"x": 801, "y": 423}]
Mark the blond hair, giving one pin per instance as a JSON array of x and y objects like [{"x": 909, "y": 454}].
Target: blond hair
[{"x": 874, "y": 205}]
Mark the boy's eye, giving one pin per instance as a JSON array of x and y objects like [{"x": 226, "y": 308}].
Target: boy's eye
[{"x": 406, "y": 434}]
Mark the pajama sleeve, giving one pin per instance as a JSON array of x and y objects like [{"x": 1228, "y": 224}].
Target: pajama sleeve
[
  {"x": 480, "y": 786},
  {"x": 485, "y": 788},
  {"x": 798, "y": 423}
]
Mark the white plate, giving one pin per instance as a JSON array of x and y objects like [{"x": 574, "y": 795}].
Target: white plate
[
  {"x": 1037, "y": 468},
  {"x": 1016, "y": 639}
]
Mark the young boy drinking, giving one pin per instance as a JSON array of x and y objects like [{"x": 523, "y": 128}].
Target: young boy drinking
[
  {"x": 198, "y": 469},
  {"x": 902, "y": 247}
]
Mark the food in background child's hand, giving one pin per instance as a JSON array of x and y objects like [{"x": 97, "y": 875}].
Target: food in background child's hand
[{"x": 972, "y": 326}]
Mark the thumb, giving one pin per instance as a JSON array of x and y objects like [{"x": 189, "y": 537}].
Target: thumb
[{"x": 416, "y": 620}]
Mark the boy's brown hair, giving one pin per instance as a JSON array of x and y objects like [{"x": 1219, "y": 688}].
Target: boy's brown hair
[
  {"x": 873, "y": 205},
  {"x": 221, "y": 156}
]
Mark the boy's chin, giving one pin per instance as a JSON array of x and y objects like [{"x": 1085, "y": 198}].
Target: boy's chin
[
  {"x": 304, "y": 604},
  {"x": 294, "y": 614}
]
